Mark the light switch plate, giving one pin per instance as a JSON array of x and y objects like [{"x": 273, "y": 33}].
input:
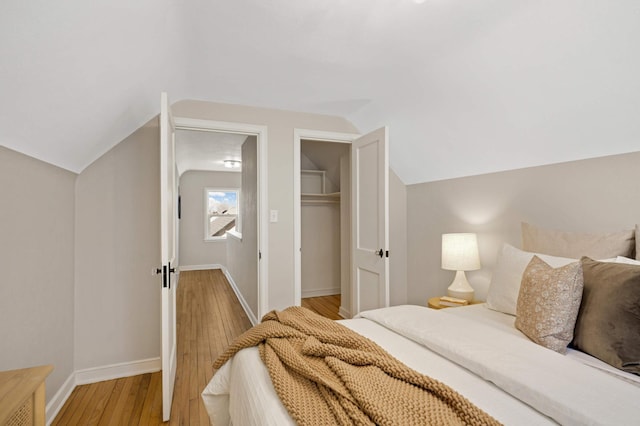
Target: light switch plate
[{"x": 273, "y": 216}]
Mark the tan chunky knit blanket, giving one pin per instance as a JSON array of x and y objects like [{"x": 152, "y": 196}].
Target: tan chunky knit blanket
[{"x": 327, "y": 374}]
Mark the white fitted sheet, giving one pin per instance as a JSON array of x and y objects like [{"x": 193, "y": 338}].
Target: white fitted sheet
[{"x": 241, "y": 392}]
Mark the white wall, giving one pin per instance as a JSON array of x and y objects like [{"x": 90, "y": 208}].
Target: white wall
[
  {"x": 601, "y": 194},
  {"x": 194, "y": 250},
  {"x": 280, "y": 125},
  {"x": 242, "y": 255},
  {"x": 117, "y": 300},
  {"x": 36, "y": 264}
]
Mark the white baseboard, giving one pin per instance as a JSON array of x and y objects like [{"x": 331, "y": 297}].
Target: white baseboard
[
  {"x": 99, "y": 374},
  {"x": 200, "y": 267},
  {"x": 344, "y": 313},
  {"x": 57, "y": 401},
  {"x": 116, "y": 371},
  {"x": 320, "y": 292},
  {"x": 243, "y": 303}
]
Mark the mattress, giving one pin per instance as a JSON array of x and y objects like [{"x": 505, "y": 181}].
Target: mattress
[{"x": 474, "y": 350}]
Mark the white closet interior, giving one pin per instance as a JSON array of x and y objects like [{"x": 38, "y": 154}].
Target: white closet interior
[{"x": 324, "y": 177}]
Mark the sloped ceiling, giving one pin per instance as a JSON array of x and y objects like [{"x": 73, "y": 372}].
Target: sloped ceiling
[
  {"x": 466, "y": 87},
  {"x": 324, "y": 156}
]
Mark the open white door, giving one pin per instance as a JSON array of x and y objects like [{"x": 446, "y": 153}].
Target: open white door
[
  {"x": 370, "y": 221},
  {"x": 168, "y": 207}
]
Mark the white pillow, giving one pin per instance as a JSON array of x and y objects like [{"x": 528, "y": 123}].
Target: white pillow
[
  {"x": 622, "y": 259},
  {"x": 507, "y": 276}
]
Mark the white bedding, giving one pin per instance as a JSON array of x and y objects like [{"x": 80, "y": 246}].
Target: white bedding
[{"x": 491, "y": 350}]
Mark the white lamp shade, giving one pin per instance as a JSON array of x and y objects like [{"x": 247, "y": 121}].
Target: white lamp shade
[{"x": 460, "y": 252}]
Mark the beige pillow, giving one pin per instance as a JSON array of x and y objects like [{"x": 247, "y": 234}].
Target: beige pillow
[
  {"x": 608, "y": 325},
  {"x": 575, "y": 244},
  {"x": 548, "y": 303}
]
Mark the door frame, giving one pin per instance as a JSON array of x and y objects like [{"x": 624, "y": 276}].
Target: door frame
[
  {"x": 260, "y": 132},
  {"x": 298, "y": 136}
]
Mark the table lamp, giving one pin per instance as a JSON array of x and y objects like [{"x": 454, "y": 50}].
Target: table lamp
[{"x": 460, "y": 254}]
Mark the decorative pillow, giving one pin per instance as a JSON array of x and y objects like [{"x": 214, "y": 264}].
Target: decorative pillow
[
  {"x": 608, "y": 325},
  {"x": 507, "y": 276},
  {"x": 576, "y": 245},
  {"x": 548, "y": 303}
]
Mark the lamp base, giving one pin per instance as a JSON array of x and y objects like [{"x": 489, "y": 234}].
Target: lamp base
[{"x": 460, "y": 287}]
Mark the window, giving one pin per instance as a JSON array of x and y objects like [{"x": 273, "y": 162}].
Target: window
[{"x": 220, "y": 212}]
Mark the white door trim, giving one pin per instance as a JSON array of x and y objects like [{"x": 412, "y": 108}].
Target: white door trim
[
  {"x": 184, "y": 123},
  {"x": 298, "y": 135}
]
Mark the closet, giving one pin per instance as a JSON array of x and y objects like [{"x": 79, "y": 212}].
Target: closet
[{"x": 325, "y": 186}]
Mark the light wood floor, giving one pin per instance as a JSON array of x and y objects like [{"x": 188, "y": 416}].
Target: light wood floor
[
  {"x": 209, "y": 317},
  {"x": 327, "y": 306}
]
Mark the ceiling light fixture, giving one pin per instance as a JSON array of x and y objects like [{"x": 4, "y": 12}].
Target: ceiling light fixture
[{"x": 232, "y": 164}]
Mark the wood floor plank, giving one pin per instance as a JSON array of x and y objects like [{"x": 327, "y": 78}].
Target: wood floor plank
[
  {"x": 327, "y": 306},
  {"x": 103, "y": 393},
  {"x": 208, "y": 318},
  {"x": 83, "y": 399},
  {"x": 109, "y": 409},
  {"x": 127, "y": 412},
  {"x": 147, "y": 405}
]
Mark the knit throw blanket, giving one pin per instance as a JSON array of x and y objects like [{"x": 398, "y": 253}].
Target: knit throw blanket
[{"x": 327, "y": 374}]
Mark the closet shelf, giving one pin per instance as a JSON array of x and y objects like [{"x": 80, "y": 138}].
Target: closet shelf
[{"x": 331, "y": 198}]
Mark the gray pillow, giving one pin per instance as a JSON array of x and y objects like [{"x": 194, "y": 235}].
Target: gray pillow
[{"x": 608, "y": 324}]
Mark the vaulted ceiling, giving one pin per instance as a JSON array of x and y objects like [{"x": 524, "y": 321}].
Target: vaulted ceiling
[{"x": 465, "y": 86}]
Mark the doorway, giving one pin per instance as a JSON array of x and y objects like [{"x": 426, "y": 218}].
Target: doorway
[
  {"x": 322, "y": 216},
  {"x": 209, "y": 194},
  {"x": 324, "y": 223},
  {"x": 243, "y": 247},
  {"x": 369, "y": 224}
]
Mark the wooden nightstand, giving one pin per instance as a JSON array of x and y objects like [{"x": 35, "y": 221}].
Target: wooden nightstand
[
  {"x": 434, "y": 303},
  {"x": 22, "y": 399}
]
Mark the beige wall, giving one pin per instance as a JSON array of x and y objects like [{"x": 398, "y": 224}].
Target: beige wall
[
  {"x": 397, "y": 240},
  {"x": 97, "y": 302},
  {"x": 194, "y": 250},
  {"x": 36, "y": 260},
  {"x": 280, "y": 125},
  {"x": 242, "y": 255},
  {"x": 321, "y": 251},
  {"x": 117, "y": 299},
  {"x": 601, "y": 194}
]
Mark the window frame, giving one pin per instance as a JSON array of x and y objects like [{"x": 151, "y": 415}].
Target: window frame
[{"x": 207, "y": 190}]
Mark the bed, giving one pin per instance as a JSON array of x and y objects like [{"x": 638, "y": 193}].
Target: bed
[{"x": 481, "y": 352}]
